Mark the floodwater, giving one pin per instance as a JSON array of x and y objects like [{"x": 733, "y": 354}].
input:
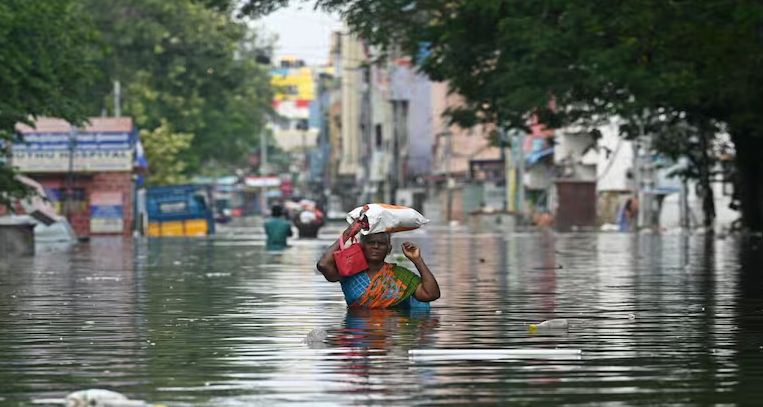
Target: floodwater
[{"x": 669, "y": 319}]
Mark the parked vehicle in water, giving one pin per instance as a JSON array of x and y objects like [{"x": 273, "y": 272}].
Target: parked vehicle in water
[
  {"x": 179, "y": 210},
  {"x": 38, "y": 211},
  {"x": 59, "y": 231}
]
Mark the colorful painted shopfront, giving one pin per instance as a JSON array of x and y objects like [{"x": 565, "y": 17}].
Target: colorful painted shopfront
[{"x": 87, "y": 172}]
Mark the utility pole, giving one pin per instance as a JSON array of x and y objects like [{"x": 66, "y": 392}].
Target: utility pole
[
  {"x": 683, "y": 200},
  {"x": 520, "y": 137},
  {"x": 264, "y": 150},
  {"x": 645, "y": 179},
  {"x": 399, "y": 143},
  {"x": 305, "y": 165},
  {"x": 117, "y": 99},
  {"x": 70, "y": 175},
  {"x": 636, "y": 173},
  {"x": 303, "y": 126},
  {"x": 510, "y": 169},
  {"x": 448, "y": 180},
  {"x": 366, "y": 120},
  {"x": 504, "y": 158},
  {"x": 264, "y": 165},
  {"x": 393, "y": 177}
]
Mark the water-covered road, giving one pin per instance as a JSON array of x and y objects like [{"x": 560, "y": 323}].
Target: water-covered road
[{"x": 221, "y": 322}]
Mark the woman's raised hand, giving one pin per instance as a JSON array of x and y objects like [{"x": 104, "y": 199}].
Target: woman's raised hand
[{"x": 411, "y": 251}]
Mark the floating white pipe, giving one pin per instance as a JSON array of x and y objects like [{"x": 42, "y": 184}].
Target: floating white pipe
[{"x": 492, "y": 354}]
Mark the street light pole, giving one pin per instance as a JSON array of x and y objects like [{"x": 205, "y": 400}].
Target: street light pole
[
  {"x": 448, "y": 152},
  {"x": 264, "y": 152},
  {"x": 448, "y": 180},
  {"x": 70, "y": 175},
  {"x": 263, "y": 171},
  {"x": 305, "y": 167},
  {"x": 520, "y": 174},
  {"x": 117, "y": 99}
]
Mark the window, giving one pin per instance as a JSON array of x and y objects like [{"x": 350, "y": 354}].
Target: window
[
  {"x": 172, "y": 207},
  {"x": 378, "y": 134}
]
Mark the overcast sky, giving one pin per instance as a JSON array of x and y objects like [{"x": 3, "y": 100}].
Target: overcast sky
[{"x": 301, "y": 32}]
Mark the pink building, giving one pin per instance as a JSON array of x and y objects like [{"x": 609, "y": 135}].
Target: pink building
[{"x": 94, "y": 185}]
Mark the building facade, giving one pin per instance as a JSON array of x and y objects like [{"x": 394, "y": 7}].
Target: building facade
[{"x": 87, "y": 172}]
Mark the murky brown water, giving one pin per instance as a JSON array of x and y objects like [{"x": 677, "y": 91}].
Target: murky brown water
[{"x": 221, "y": 322}]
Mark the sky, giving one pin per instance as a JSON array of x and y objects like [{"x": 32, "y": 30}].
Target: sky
[{"x": 301, "y": 31}]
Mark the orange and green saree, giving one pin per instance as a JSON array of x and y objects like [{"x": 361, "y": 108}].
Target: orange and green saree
[{"x": 391, "y": 286}]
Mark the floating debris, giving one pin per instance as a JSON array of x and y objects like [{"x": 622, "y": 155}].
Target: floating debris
[
  {"x": 552, "y": 325},
  {"x": 316, "y": 338},
  {"x": 426, "y": 355},
  {"x": 103, "y": 398}
]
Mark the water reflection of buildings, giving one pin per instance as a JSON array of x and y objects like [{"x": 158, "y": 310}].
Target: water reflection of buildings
[{"x": 78, "y": 304}]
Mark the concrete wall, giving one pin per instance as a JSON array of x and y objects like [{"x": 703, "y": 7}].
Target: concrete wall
[
  {"x": 352, "y": 87},
  {"x": 670, "y": 214},
  {"x": 466, "y": 144},
  {"x": 615, "y": 159},
  {"x": 406, "y": 84},
  {"x": 571, "y": 156},
  {"x": 381, "y": 123}
]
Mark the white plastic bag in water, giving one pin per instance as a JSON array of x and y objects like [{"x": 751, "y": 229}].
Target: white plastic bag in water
[{"x": 387, "y": 218}]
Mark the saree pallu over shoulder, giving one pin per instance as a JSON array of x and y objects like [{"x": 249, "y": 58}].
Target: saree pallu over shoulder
[{"x": 389, "y": 287}]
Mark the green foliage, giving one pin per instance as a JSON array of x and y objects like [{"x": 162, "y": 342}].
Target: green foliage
[
  {"x": 578, "y": 61},
  {"x": 45, "y": 70},
  {"x": 165, "y": 150},
  {"x": 11, "y": 190},
  {"x": 509, "y": 57},
  {"x": 187, "y": 65},
  {"x": 188, "y": 73}
]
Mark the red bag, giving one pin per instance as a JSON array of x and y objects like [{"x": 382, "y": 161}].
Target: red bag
[{"x": 349, "y": 260}]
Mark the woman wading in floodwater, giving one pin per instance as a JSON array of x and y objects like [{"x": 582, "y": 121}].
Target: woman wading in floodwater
[{"x": 383, "y": 284}]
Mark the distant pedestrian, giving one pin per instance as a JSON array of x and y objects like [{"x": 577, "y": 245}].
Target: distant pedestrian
[
  {"x": 277, "y": 229},
  {"x": 308, "y": 222},
  {"x": 628, "y": 214}
]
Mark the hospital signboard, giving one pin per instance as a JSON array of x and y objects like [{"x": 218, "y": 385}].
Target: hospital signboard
[{"x": 90, "y": 152}]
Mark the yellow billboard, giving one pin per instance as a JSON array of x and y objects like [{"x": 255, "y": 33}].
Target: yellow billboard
[{"x": 292, "y": 84}]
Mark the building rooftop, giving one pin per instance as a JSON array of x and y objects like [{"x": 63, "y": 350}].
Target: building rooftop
[{"x": 93, "y": 125}]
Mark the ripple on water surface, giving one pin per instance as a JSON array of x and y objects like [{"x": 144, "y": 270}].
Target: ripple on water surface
[{"x": 221, "y": 321}]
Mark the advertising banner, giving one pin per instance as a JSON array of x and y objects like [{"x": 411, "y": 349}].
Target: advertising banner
[{"x": 106, "y": 212}]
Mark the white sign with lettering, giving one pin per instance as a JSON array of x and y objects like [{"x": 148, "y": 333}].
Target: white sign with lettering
[{"x": 82, "y": 161}]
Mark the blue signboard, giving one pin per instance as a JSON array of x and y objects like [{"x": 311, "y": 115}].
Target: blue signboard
[
  {"x": 93, "y": 151},
  {"x": 82, "y": 141}
]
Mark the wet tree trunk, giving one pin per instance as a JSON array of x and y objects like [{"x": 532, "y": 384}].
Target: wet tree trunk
[
  {"x": 749, "y": 162},
  {"x": 705, "y": 172}
]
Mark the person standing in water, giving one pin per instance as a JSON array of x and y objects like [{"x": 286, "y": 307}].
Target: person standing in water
[
  {"x": 383, "y": 284},
  {"x": 277, "y": 229}
]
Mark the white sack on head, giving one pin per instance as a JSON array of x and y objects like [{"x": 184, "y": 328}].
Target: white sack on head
[{"x": 388, "y": 218}]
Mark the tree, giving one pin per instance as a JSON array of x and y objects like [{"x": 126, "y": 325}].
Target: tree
[
  {"x": 699, "y": 143},
  {"x": 592, "y": 58},
  {"x": 189, "y": 66},
  {"x": 165, "y": 150},
  {"x": 45, "y": 70}
]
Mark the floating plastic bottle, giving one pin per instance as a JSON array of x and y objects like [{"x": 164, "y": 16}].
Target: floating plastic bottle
[{"x": 550, "y": 325}]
